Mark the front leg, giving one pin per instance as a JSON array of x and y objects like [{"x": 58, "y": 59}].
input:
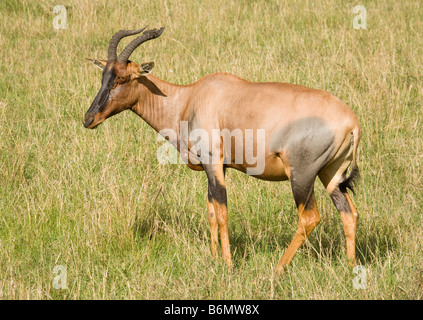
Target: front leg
[
  {"x": 214, "y": 229},
  {"x": 218, "y": 200}
]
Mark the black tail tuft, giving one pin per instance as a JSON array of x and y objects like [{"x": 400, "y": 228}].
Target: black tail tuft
[{"x": 350, "y": 182}]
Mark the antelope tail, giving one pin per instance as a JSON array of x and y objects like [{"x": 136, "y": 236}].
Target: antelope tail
[{"x": 351, "y": 181}]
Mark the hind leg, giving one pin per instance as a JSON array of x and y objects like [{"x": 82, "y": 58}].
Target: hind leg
[
  {"x": 349, "y": 217},
  {"x": 331, "y": 178},
  {"x": 308, "y": 219}
]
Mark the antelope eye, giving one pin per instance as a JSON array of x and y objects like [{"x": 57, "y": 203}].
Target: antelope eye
[{"x": 120, "y": 80}]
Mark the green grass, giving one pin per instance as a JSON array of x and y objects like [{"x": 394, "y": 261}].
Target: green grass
[{"x": 125, "y": 227}]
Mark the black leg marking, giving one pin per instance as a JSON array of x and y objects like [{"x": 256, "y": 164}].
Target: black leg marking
[
  {"x": 216, "y": 191},
  {"x": 302, "y": 189},
  {"x": 340, "y": 201}
]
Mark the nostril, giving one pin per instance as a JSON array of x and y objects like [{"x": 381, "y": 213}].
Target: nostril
[{"x": 88, "y": 121}]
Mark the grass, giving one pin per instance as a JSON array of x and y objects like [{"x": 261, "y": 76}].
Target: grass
[{"x": 125, "y": 227}]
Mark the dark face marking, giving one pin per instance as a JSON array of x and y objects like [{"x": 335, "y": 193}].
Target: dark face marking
[
  {"x": 103, "y": 96},
  {"x": 107, "y": 82}
]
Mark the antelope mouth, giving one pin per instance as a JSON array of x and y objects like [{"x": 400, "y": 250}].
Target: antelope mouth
[
  {"x": 92, "y": 123},
  {"x": 88, "y": 123}
]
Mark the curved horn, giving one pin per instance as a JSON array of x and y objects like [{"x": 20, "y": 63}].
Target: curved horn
[
  {"x": 111, "y": 53},
  {"x": 147, "y": 35}
]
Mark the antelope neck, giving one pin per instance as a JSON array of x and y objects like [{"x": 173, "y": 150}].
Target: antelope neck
[{"x": 161, "y": 104}]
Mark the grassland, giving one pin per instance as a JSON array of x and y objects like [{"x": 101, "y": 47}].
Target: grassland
[{"x": 125, "y": 227}]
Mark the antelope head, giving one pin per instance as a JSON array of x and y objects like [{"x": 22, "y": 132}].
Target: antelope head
[{"x": 120, "y": 78}]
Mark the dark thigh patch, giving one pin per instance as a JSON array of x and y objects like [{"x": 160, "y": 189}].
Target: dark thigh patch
[{"x": 309, "y": 142}]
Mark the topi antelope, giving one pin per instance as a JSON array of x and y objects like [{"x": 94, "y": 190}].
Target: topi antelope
[{"x": 307, "y": 133}]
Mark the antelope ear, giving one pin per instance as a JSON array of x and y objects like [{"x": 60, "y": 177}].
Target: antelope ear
[
  {"x": 98, "y": 63},
  {"x": 146, "y": 68}
]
